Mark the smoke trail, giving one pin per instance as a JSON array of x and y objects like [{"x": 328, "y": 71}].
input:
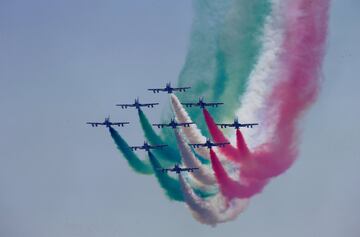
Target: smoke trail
[
  {"x": 204, "y": 174},
  {"x": 240, "y": 41},
  {"x": 135, "y": 162},
  {"x": 229, "y": 151},
  {"x": 241, "y": 144},
  {"x": 167, "y": 153},
  {"x": 295, "y": 91},
  {"x": 234, "y": 189},
  {"x": 171, "y": 185},
  {"x": 231, "y": 51},
  {"x": 203, "y": 160},
  {"x": 201, "y": 210},
  {"x": 300, "y": 60},
  {"x": 262, "y": 79},
  {"x": 221, "y": 76},
  {"x": 193, "y": 134},
  {"x": 200, "y": 68},
  {"x": 212, "y": 211},
  {"x": 220, "y": 60}
]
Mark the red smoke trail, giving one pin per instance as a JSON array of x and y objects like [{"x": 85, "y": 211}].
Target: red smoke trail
[
  {"x": 231, "y": 188},
  {"x": 241, "y": 144},
  {"x": 303, "y": 51},
  {"x": 229, "y": 151}
]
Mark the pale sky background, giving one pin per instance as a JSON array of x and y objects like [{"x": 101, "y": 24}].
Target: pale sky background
[{"x": 63, "y": 63}]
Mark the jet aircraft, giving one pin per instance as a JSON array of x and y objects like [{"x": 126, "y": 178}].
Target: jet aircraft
[
  {"x": 169, "y": 89},
  {"x": 147, "y": 147},
  {"x": 137, "y": 105},
  {"x": 202, "y": 104},
  {"x": 177, "y": 169},
  {"x": 236, "y": 124},
  {"x": 107, "y": 123},
  {"x": 209, "y": 144},
  {"x": 173, "y": 124}
]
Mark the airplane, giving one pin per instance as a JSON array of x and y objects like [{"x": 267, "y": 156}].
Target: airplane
[
  {"x": 173, "y": 124},
  {"x": 169, "y": 89},
  {"x": 147, "y": 147},
  {"x": 209, "y": 144},
  {"x": 236, "y": 124},
  {"x": 202, "y": 104},
  {"x": 177, "y": 169},
  {"x": 137, "y": 105},
  {"x": 107, "y": 123}
]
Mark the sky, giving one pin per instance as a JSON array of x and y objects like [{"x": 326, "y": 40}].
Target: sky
[{"x": 63, "y": 63}]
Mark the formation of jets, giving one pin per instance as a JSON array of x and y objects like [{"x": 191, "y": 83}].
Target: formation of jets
[
  {"x": 173, "y": 124},
  {"x": 177, "y": 169},
  {"x": 236, "y": 124},
  {"x": 107, "y": 123},
  {"x": 209, "y": 144},
  {"x": 169, "y": 89},
  {"x": 202, "y": 104},
  {"x": 147, "y": 147}
]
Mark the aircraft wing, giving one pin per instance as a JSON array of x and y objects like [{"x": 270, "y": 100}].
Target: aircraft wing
[
  {"x": 249, "y": 125},
  {"x": 159, "y": 146},
  {"x": 119, "y": 123},
  {"x": 156, "y": 90},
  {"x": 213, "y": 104},
  {"x": 185, "y": 124},
  {"x": 222, "y": 144},
  {"x": 190, "y": 104},
  {"x": 181, "y": 89},
  {"x": 164, "y": 170},
  {"x": 160, "y": 125},
  {"x": 134, "y": 148},
  {"x": 95, "y": 124},
  {"x": 197, "y": 145},
  {"x": 124, "y": 106},
  {"x": 188, "y": 169},
  {"x": 149, "y": 105},
  {"x": 225, "y": 125}
]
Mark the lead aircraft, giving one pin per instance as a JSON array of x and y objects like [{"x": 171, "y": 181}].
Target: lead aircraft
[
  {"x": 169, "y": 89},
  {"x": 137, "y": 104},
  {"x": 107, "y": 123}
]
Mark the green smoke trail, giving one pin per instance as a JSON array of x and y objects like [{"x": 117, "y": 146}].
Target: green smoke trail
[
  {"x": 220, "y": 75},
  {"x": 200, "y": 158},
  {"x": 135, "y": 162},
  {"x": 200, "y": 60},
  {"x": 167, "y": 153},
  {"x": 224, "y": 46},
  {"x": 199, "y": 70},
  {"x": 171, "y": 185}
]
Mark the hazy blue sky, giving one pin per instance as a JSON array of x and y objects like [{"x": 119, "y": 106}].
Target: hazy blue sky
[{"x": 63, "y": 63}]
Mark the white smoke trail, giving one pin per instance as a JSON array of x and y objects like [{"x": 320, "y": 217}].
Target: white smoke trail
[
  {"x": 263, "y": 76},
  {"x": 212, "y": 211},
  {"x": 204, "y": 175},
  {"x": 201, "y": 210},
  {"x": 192, "y": 133}
]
